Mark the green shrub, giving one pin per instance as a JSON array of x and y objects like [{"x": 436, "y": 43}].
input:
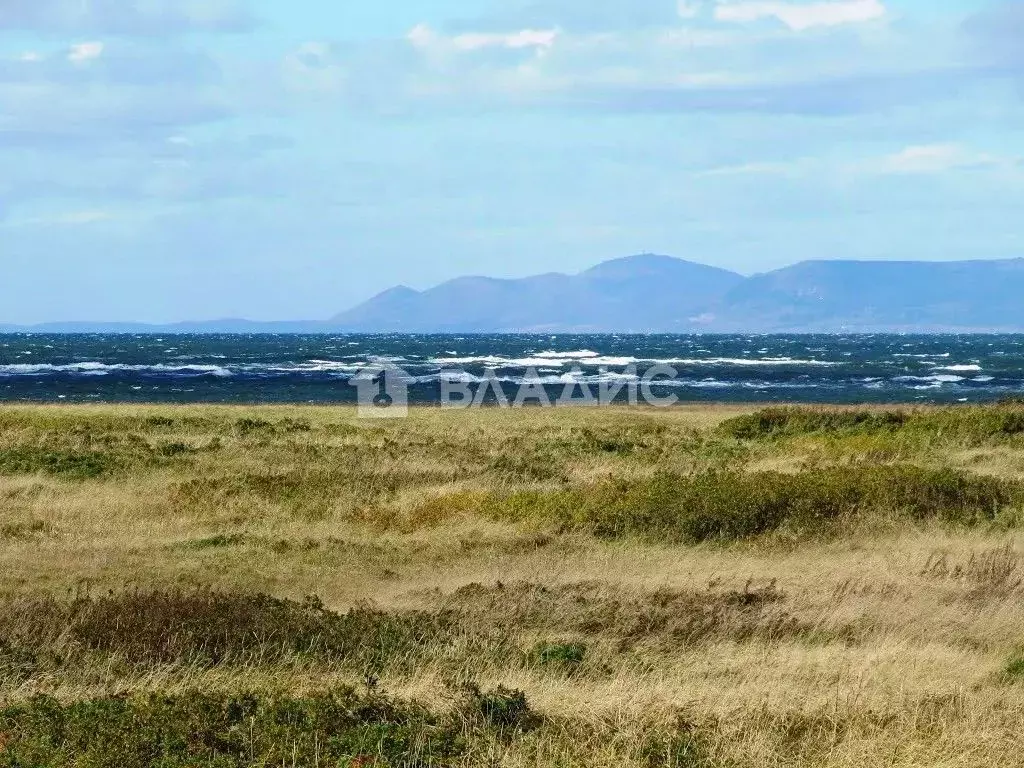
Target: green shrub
[
  {"x": 963, "y": 422},
  {"x": 247, "y": 427},
  {"x": 566, "y": 656},
  {"x": 199, "y": 729},
  {"x": 503, "y": 708},
  {"x": 736, "y": 505},
  {"x": 171, "y": 450},
  {"x": 777, "y": 422},
  {"x": 72, "y": 465},
  {"x": 158, "y": 422}
]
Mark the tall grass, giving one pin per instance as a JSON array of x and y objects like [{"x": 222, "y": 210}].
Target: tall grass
[{"x": 711, "y": 586}]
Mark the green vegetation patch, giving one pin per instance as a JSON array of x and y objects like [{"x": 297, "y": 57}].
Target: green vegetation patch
[
  {"x": 340, "y": 728},
  {"x": 561, "y": 656},
  {"x": 1013, "y": 669},
  {"x": 205, "y": 626},
  {"x": 965, "y": 422},
  {"x": 68, "y": 464},
  {"x": 730, "y": 505}
]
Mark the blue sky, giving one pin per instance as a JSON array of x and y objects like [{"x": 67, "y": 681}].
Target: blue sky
[{"x": 192, "y": 159}]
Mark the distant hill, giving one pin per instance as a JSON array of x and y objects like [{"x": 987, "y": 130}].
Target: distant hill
[
  {"x": 633, "y": 294},
  {"x": 659, "y": 293},
  {"x": 650, "y": 294},
  {"x": 879, "y": 296}
]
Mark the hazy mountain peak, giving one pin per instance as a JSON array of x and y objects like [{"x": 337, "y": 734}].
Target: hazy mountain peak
[
  {"x": 646, "y": 263},
  {"x": 646, "y": 292},
  {"x": 398, "y": 292},
  {"x": 654, "y": 293}
]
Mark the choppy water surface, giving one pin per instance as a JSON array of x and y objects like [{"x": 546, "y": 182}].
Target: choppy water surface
[{"x": 318, "y": 369}]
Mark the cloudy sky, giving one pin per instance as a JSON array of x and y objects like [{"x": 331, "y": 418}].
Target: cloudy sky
[{"x": 192, "y": 159}]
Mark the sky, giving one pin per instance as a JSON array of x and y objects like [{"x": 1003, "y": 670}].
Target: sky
[{"x": 166, "y": 160}]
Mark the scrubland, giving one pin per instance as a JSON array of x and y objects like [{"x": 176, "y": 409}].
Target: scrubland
[{"x": 696, "y": 586}]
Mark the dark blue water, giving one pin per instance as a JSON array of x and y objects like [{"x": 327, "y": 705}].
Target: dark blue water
[{"x": 318, "y": 369}]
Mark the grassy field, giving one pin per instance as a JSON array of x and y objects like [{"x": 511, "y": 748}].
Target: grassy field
[{"x": 705, "y": 586}]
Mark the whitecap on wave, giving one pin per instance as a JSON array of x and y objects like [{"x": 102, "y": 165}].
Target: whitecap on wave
[{"x": 104, "y": 369}]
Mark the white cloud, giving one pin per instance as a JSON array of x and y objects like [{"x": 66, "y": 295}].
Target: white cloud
[
  {"x": 525, "y": 38},
  {"x": 422, "y": 36},
  {"x": 937, "y": 158},
  {"x": 800, "y": 17},
  {"x": 754, "y": 169},
  {"x": 80, "y": 53}
]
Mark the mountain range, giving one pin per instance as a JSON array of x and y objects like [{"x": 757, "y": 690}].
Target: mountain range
[{"x": 650, "y": 293}]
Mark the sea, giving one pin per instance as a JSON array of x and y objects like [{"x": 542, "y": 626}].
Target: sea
[{"x": 124, "y": 368}]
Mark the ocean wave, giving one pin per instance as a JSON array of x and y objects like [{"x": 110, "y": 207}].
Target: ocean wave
[
  {"x": 312, "y": 366},
  {"x": 490, "y": 361},
  {"x": 581, "y": 354},
  {"x": 960, "y": 368},
  {"x": 611, "y": 361},
  {"x": 747, "y": 361},
  {"x": 561, "y": 379},
  {"x": 932, "y": 381},
  {"x": 103, "y": 369}
]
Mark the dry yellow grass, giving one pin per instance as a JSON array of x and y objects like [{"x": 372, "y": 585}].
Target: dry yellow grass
[{"x": 887, "y": 645}]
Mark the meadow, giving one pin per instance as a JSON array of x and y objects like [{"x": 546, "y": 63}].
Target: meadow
[{"x": 706, "y": 586}]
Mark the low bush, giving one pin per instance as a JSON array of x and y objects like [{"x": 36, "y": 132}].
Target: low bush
[
  {"x": 199, "y": 729},
  {"x": 247, "y": 427},
  {"x": 68, "y": 464},
  {"x": 564, "y": 656},
  {"x": 505, "y": 709},
  {"x": 964, "y": 422},
  {"x": 737, "y": 505}
]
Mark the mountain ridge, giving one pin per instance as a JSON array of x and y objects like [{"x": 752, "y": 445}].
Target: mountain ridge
[
  {"x": 651, "y": 293},
  {"x": 602, "y": 298}
]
